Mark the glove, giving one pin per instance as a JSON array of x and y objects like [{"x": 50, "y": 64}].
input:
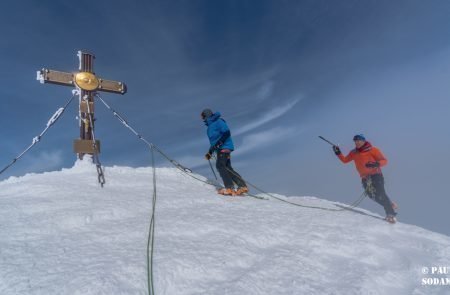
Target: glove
[
  {"x": 372, "y": 165},
  {"x": 336, "y": 150},
  {"x": 208, "y": 156}
]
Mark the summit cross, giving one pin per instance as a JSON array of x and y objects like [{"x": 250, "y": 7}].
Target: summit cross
[{"x": 87, "y": 84}]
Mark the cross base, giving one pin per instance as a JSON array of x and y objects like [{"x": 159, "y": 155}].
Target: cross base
[{"x": 85, "y": 146}]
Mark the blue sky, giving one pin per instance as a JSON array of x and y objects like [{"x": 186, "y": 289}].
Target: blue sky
[{"x": 280, "y": 72}]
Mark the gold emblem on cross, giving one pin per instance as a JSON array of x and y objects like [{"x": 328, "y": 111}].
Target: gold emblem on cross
[{"x": 86, "y": 81}]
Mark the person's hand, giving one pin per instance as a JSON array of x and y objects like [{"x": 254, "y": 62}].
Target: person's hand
[
  {"x": 336, "y": 150},
  {"x": 208, "y": 156},
  {"x": 372, "y": 164}
]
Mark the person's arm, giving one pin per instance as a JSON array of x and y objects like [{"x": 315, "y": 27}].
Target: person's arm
[
  {"x": 225, "y": 131},
  {"x": 379, "y": 157},
  {"x": 223, "y": 138},
  {"x": 344, "y": 159}
]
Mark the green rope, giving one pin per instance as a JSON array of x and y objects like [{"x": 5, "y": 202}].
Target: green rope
[
  {"x": 351, "y": 206},
  {"x": 151, "y": 232},
  {"x": 189, "y": 172}
]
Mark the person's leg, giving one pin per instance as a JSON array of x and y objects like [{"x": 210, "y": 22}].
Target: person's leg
[
  {"x": 221, "y": 165},
  {"x": 380, "y": 194},
  {"x": 234, "y": 175},
  {"x": 368, "y": 188}
]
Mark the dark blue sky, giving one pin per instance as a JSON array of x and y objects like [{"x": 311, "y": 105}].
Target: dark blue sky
[{"x": 280, "y": 72}]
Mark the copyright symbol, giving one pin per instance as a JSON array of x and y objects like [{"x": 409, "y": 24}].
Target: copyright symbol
[{"x": 425, "y": 270}]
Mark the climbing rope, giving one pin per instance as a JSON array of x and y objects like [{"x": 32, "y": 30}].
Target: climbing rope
[
  {"x": 183, "y": 169},
  {"x": 370, "y": 188},
  {"x": 351, "y": 206},
  {"x": 37, "y": 139},
  {"x": 188, "y": 172},
  {"x": 177, "y": 165},
  {"x": 151, "y": 232}
]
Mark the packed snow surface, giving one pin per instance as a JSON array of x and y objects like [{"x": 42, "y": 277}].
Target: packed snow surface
[{"x": 60, "y": 233}]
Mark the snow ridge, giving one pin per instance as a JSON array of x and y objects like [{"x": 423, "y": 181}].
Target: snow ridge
[{"x": 60, "y": 233}]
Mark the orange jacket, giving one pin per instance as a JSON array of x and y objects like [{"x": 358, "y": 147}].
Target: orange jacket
[{"x": 364, "y": 155}]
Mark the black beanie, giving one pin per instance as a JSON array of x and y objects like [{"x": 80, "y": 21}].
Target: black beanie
[{"x": 206, "y": 113}]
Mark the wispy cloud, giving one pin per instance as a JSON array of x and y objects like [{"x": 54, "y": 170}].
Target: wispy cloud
[
  {"x": 265, "y": 138},
  {"x": 267, "y": 117},
  {"x": 266, "y": 90},
  {"x": 249, "y": 143},
  {"x": 261, "y": 120}
]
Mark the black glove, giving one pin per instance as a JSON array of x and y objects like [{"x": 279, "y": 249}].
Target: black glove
[
  {"x": 208, "y": 156},
  {"x": 372, "y": 165},
  {"x": 336, "y": 150}
]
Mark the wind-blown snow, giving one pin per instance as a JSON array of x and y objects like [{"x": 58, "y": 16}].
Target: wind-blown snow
[{"x": 60, "y": 233}]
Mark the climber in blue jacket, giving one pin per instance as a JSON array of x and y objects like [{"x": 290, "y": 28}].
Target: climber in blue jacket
[{"x": 220, "y": 142}]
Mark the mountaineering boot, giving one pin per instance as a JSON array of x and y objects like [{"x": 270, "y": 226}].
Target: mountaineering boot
[
  {"x": 391, "y": 219},
  {"x": 241, "y": 190},
  {"x": 226, "y": 192}
]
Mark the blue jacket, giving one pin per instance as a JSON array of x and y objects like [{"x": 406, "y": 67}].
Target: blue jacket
[{"x": 217, "y": 129}]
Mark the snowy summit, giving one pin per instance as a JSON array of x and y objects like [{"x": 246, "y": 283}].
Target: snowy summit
[{"x": 60, "y": 233}]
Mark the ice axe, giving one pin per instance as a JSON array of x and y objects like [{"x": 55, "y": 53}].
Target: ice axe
[{"x": 326, "y": 140}]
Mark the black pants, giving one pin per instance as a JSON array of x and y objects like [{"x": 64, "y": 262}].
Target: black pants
[
  {"x": 374, "y": 187},
  {"x": 229, "y": 176}
]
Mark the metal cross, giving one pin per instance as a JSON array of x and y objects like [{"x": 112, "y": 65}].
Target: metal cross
[{"x": 87, "y": 84}]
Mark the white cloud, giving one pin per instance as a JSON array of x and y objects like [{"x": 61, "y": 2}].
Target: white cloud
[
  {"x": 263, "y": 119},
  {"x": 257, "y": 140},
  {"x": 249, "y": 143},
  {"x": 267, "y": 117}
]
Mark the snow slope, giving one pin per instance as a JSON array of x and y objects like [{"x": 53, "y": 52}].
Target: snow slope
[{"x": 60, "y": 233}]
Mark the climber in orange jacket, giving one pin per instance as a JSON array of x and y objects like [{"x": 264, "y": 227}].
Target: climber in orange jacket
[{"x": 368, "y": 161}]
